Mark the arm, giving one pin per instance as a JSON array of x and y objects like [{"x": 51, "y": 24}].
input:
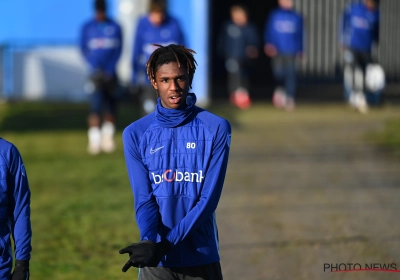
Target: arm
[
  {"x": 19, "y": 213},
  {"x": 19, "y": 206},
  {"x": 300, "y": 36},
  {"x": 269, "y": 47},
  {"x": 146, "y": 206},
  {"x": 253, "y": 42},
  {"x": 344, "y": 30},
  {"x": 212, "y": 187},
  {"x": 83, "y": 43},
  {"x": 111, "y": 65}
]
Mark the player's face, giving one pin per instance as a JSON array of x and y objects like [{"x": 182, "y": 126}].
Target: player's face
[
  {"x": 239, "y": 17},
  {"x": 286, "y": 4},
  {"x": 156, "y": 18},
  {"x": 370, "y": 4},
  {"x": 172, "y": 85}
]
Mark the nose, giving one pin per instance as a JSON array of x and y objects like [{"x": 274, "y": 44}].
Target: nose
[{"x": 174, "y": 85}]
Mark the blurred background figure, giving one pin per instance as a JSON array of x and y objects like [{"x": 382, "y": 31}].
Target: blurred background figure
[
  {"x": 283, "y": 43},
  {"x": 101, "y": 46},
  {"x": 359, "y": 37},
  {"x": 238, "y": 45},
  {"x": 157, "y": 27}
]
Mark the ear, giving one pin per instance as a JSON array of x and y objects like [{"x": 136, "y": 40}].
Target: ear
[{"x": 154, "y": 84}]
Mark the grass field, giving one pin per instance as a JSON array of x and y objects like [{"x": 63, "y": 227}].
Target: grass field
[{"x": 82, "y": 206}]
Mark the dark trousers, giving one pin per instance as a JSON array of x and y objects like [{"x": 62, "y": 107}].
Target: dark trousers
[
  {"x": 210, "y": 271},
  {"x": 238, "y": 74},
  {"x": 103, "y": 97},
  {"x": 284, "y": 69}
]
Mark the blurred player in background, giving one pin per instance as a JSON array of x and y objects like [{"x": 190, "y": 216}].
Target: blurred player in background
[
  {"x": 359, "y": 34},
  {"x": 15, "y": 215},
  {"x": 283, "y": 43},
  {"x": 157, "y": 27},
  {"x": 101, "y": 46},
  {"x": 239, "y": 45}
]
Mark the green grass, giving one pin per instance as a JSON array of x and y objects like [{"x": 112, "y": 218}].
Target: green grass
[
  {"x": 389, "y": 137},
  {"x": 82, "y": 205}
]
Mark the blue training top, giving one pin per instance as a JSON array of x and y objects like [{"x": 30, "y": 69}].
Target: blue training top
[
  {"x": 14, "y": 208},
  {"x": 284, "y": 30},
  {"x": 169, "y": 32},
  {"x": 101, "y": 45},
  {"x": 234, "y": 39},
  {"x": 360, "y": 27},
  {"x": 176, "y": 161}
]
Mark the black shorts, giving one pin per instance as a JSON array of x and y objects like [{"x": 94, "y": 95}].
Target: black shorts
[{"x": 210, "y": 271}]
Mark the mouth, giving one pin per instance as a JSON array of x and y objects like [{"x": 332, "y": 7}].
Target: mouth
[{"x": 175, "y": 99}]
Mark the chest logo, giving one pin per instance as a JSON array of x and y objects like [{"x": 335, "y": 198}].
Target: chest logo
[{"x": 155, "y": 150}]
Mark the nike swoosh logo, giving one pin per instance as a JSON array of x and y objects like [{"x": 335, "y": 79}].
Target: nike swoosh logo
[{"x": 155, "y": 150}]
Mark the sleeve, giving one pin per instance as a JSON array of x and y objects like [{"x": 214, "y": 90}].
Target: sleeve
[
  {"x": 136, "y": 52},
  {"x": 116, "y": 53},
  {"x": 253, "y": 36},
  {"x": 300, "y": 35},
  {"x": 146, "y": 207},
  {"x": 344, "y": 29},
  {"x": 19, "y": 206},
  {"x": 83, "y": 43},
  {"x": 212, "y": 187}
]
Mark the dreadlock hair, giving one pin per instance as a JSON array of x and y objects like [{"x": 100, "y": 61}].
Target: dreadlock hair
[{"x": 171, "y": 53}]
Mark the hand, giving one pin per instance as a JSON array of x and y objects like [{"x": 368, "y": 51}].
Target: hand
[
  {"x": 21, "y": 270},
  {"x": 270, "y": 50},
  {"x": 145, "y": 253},
  {"x": 251, "y": 52}
]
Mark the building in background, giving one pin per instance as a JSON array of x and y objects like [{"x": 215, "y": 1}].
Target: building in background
[{"x": 40, "y": 57}]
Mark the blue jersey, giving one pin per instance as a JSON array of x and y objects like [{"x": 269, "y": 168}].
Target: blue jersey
[
  {"x": 284, "y": 30},
  {"x": 14, "y": 208},
  {"x": 176, "y": 161},
  {"x": 234, "y": 39},
  {"x": 101, "y": 45},
  {"x": 169, "y": 32},
  {"x": 360, "y": 27}
]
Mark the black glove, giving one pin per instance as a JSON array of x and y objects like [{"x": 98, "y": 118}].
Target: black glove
[
  {"x": 21, "y": 270},
  {"x": 145, "y": 253}
]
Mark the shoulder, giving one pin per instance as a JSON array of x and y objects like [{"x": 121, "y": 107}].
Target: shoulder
[
  {"x": 114, "y": 23},
  {"x": 275, "y": 12},
  {"x": 136, "y": 129},
  {"x": 171, "y": 19},
  {"x": 355, "y": 6},
  {"x": 88, "y": 23},
  {"x": 8, "y": 151},
  {"x": 298, "y": 14},
  {"x": 213, "y": 122}
]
